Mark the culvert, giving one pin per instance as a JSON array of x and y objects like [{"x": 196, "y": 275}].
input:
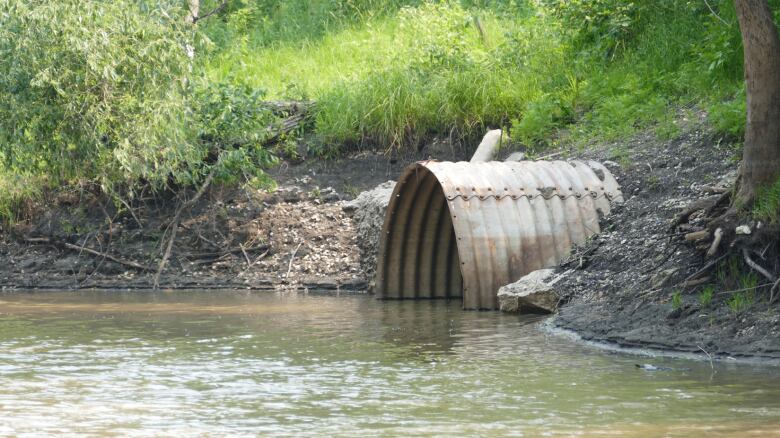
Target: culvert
[{"x": 466, "y": 229}]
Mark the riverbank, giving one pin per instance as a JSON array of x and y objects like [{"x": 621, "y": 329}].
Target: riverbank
[
  {"x": 640, "y": 284},
  {"x": 628, "y": 287},
  {"x": 299, "y": 235}
]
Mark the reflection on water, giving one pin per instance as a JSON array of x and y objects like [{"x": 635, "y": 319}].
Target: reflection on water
[{"x": 205, "y": 363}]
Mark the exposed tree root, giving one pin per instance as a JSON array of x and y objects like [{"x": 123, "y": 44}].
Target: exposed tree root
[{"x": 720, "y": 240}]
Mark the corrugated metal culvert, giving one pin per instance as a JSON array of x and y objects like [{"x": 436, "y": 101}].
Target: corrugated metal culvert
[{"x": 466, "y": 229}]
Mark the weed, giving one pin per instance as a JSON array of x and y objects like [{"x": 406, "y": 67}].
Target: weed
[
  {"x": 705, "y": 296},
  {"x": 740, "y": 301},
  {"x": 653, "y": 181},
  {"x": 767, "y": 205},
  {"x": 620, "y": 155},
  {"x": 351, "y": 190},
  {"x": 677, "y": 301}
]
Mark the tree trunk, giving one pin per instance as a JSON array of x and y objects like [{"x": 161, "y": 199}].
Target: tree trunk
[
  {"x": 761, "y": 155},
  {"x": 194, "y": 8}
]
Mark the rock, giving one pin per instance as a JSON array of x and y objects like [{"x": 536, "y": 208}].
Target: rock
[
  {"x": 331, "y": 197},
  {"x": 368, "y": 211},
  {"x": 662, "y": 278},
  {"x": 743, "y": 230},
  {"x": 533, "y": 293},
  {"x": 289, "y": 194}
]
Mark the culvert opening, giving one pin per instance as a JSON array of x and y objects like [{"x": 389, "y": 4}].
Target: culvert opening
[
  {"x": 418, "y": 253},
  {"x": 466, "y": 229}
]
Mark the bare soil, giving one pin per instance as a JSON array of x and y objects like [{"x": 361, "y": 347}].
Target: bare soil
[
  {"x": 629, "y": 286},
  {"x": 635, "y": 284},
  {"x": 297, "y": 235}
]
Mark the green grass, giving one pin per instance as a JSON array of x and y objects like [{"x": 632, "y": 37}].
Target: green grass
[
  {"x": 741, "y": 301},
  {"x": 706, "y": 294},
  {"x": 677, "y": 301},
  {"x": 767, "y": 205},
  {"x": 404, "y": 74}
]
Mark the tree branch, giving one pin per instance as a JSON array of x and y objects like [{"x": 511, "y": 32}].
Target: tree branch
[
  {"x": 175, "y": 225},
  {"x": 216, "y": 10}
]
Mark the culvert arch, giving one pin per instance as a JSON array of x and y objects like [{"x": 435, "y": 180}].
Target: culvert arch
[{"x": 465, "y": 229}]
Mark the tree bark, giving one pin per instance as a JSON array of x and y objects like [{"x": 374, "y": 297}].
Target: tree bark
[
  {"x": 194, "y": 11},
  {"x": 761, "y": 155}
]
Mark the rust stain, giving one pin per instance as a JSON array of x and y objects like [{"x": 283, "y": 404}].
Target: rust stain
[{"x": 466, "y": 229}]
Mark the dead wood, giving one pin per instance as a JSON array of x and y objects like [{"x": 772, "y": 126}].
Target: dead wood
[
  {"x": 91, "y": 251},
  {"x": 175, "y": 226}
]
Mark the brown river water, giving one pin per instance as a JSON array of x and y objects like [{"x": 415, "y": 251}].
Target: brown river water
[{"x": 290, "y": 364}]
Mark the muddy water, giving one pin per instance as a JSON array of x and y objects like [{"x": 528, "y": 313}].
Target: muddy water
[{"x": 233, "y": 363}]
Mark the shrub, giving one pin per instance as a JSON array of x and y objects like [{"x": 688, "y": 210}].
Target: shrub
[{"x": 96, "y": 89}]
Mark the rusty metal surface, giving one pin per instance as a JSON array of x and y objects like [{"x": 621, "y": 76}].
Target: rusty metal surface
[{"x": 466, "y": 229}]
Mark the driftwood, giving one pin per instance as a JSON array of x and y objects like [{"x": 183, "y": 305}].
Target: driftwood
[
  {"x": 288, "y": 107},
  {"x": 277, "y": 130},
  {"x": 706, "y": 204},
  {"x": 70, "y": 246},
  {"x": 175, "y": 226},
  {"x": 715, "y": 242}
]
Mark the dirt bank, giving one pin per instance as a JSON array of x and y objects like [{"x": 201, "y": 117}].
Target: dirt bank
[
  {"x": 628, "y": 285},
  {"x": 232, "y": 239},
  {"x": 300, "y": 235}
]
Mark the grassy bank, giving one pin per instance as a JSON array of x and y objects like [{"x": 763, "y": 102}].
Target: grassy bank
[
  {"x": 545, "y": 70},
  {"x": 127, "y": 96}
]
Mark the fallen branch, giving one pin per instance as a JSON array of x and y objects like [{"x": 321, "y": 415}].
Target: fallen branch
[
  {"x": 216, "y": 10},
  {"x": 697, "y": 236},
  {"x": 725, "y": 292},
  {"x": 91, "y": 251},
  {"x": 715, "y": 243},
  {"x": 289, "y": 267},
  {"x": 706, "y": 204},
  {"x": 756, "y": 267},
  {"x": 109, "y": 257},
  {"x": 246, "y": 256},
  {"x": 226, "y": 252},
  {"x": 709, "y": 356},
  {"x": 284, "y": 127},
  {"x": 773, "y": 290},
  {"x": 175, "y": 226},
  {"x": 695, "y": 282}
]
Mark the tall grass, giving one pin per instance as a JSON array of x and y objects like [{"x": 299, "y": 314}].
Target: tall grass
[{"x": 395, "y": 73}]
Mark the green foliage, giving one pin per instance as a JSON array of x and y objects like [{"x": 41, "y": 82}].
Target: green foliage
[
  {"x": 706, "y": 294},
  {"x": 677, "y": 300},
  {"x": 740, "y": 301},
  {"x": 96, "y": 89},
  {"x": 728, "y": 116},
  {"x": 767, "y": 204},
  {"x": 599, "y": 26},
  {"x": 106, "y": 92},
  {"x": 399, "y": 72},
  {"x": 233, "y": 122}
]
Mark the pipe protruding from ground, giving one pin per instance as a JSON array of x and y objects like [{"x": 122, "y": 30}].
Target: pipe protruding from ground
[{"x": 488, "y": 148}]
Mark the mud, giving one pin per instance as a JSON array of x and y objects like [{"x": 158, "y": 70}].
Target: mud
[
  {"x": 620, "y": 287},
  {"x": 312, "y": 233}
]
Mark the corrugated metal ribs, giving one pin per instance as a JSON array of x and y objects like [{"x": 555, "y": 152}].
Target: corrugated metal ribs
[{"x": 466, "y": 229}]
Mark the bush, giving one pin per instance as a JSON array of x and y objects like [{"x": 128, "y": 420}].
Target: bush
[
  {"x": 95, "y": 89},
  {"x": 108, "y": 91}
]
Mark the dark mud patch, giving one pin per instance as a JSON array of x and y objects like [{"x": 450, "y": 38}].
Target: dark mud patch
[{"x": 627, "y": 286}]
